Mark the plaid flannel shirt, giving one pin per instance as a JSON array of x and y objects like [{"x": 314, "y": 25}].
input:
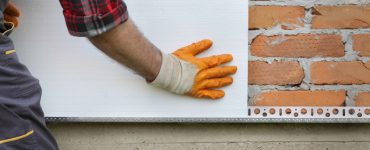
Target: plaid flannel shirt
[{"x": 87, "y": 18}]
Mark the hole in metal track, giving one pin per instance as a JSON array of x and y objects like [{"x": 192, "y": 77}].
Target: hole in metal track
[
  {"x": 272, "y": 111},
  {"x": 257, "y": 111},
  {"x": 303, "y": 111},
  {"x": 280, "y": 112},
  {"x": 359, "y": 114},
  {"x": 367, "y": 111},
  {"x": 311, "y": 112},
  {"x": 320, "y": 111},
  {"x": 335, "y": 111},
  {"x": 344, "y": 112},
  {"x": 351, "y": 111},
  {"x": 288, "y": 111}
]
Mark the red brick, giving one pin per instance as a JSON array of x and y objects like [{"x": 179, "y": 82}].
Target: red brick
[
  {"x": 303, "y": 45},
  {"x": 340, "y": 73},
  {"x": 341, "y": 17},
  {"x": 363, "y": 99},
  {"x": 277, "y": 73},
  {"x": 290, "y": 17},
  {"x": 300, "y": 98},
  {"x": 361, "y": 44}
]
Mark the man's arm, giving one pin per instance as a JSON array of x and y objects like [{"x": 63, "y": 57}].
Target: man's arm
[
  {"x": 127, "y": 45},
  {"x": 180, "y": 72},
  {"x": 107, "y": 26}
]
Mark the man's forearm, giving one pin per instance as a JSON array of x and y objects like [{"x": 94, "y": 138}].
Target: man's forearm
[
  {"x": 180, "y": 72},
  {"x": 127, "y": 45}
]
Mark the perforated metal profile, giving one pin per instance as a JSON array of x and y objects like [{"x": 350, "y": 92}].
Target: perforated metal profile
[
  {"x": 309, "y": 112},
  {"x": 254, "y": 115}
]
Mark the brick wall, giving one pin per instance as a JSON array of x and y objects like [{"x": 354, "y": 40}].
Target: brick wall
[{"x": 309, "y": 53}]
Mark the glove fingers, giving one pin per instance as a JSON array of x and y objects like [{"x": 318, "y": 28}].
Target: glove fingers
[
  {"x": 213, "y": 61},
  {"x": 213, "y": 94},
  {"x": 216, "y": 83},
  {"x": 12, "y": 19},
  {"x": 12, "y": 10},
  {"x": 196, "y": 48},
  {"x": 217, "y": 72}
]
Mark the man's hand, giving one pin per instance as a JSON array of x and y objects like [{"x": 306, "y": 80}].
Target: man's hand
[
  {"x": 183, "y": 73},
  {"x": 11, "y": 14},
  {"x": 180, "y": 72}
]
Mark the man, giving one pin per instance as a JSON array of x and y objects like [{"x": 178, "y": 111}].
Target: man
[{"x": 107, "y": 25}]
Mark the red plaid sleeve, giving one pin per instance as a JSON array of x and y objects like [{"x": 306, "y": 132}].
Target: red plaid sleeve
[{"x": 87, "y": 18}]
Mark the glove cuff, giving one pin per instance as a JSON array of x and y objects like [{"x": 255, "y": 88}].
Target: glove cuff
[{"x": 175, "y": 75}]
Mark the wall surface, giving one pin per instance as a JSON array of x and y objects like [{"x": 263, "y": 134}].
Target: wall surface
[
  {"x": 309, "y": 53},
  {"x": 212, "y": 136}
]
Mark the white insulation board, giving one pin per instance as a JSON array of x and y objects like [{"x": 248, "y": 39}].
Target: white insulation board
[{"x": 80, "y": 81}]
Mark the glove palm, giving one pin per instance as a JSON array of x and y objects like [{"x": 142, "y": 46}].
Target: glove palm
[{"x": 197, "y": 77}]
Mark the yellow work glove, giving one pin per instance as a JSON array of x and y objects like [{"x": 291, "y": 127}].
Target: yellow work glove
[
  {"x": 11, "y": 14},
  {"x": 183, "y": 73}
]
